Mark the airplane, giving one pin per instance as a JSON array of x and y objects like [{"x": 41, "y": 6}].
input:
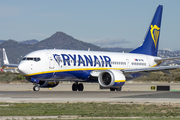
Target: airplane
[
  {"x": 12, "y": 68},
  {"x": 45, "y": 68}
]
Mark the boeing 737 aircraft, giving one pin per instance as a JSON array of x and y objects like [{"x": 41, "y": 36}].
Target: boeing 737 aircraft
[{"x": 45, "y": 68}]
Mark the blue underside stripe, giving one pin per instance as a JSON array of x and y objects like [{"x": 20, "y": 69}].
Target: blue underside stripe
[
  {"x": 118, "y": 83},
  {"x": 72, "y": 70}
]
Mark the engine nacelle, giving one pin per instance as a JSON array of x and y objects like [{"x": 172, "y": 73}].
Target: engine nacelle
[
  {"x": 111, "y": 78},
  {"x": 48, "y": 84},
  {"x": 43, "y": 84}
]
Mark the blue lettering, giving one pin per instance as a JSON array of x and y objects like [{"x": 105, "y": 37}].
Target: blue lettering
[
  {"x": 73, "y": 58},
  {"x": 107, "y": 61},
  {"x": 81, "y": 61},
  {"x": 65, "y": 59},
  {"x": 96, "y": 61},
  {"x": 57, "y": 58},
  {"x": 102, "y": 61},
  {"x": 88, "y": 60}
]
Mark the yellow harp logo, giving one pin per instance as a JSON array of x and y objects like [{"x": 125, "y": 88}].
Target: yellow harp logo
[{"x": 155, "y": 33}]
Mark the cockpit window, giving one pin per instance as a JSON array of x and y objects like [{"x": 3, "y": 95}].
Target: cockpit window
[
  {"x": 30, "y": 58},
  {"x": 24, "y": 58},
  {"x": 37, "y": 59}
]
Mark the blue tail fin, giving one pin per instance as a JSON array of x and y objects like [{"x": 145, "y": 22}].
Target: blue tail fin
[{"x": 150, "y": 44}]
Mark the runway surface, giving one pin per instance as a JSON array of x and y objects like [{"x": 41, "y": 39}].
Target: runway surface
[{"x": 130, "y": 93}]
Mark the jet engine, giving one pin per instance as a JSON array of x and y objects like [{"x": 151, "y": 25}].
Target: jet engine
[
  {"x": 48, "y": 84},
  {"x": 111, "y": 78},
  {"x": 43, "y": 84}
]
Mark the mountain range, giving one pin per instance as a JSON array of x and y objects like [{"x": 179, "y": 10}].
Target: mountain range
[{"x": 16, "y": 50}]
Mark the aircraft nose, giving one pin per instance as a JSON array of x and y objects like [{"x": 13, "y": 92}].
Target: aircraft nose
[{"x": 23, "y": 68}]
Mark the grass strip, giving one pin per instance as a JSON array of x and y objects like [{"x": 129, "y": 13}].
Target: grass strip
[
  {"x": 89, "y": 109},
  {"x": 119, "y": 119}
]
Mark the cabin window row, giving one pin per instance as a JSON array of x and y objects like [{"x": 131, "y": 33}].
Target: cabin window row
[
  {"x": 136, "y": 63},
  {"x": 118, "y": 63}
]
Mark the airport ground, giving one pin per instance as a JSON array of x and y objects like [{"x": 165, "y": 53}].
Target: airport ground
[
  {"x": 135, "y": 93},
  {"x": 131, "y": 92}
]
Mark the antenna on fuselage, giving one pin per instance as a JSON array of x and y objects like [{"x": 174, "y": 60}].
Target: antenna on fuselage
[{"x": 88, "y": 49}]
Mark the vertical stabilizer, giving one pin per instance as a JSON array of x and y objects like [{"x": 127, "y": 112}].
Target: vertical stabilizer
[
  {"x": 5, "y": 59},
  {"x": 151, "y": 41}
]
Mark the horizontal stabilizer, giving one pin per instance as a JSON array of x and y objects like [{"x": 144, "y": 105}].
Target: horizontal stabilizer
[
  {"x": 151, "y": 69},
  {"x": 164, "y": 59},
  {"x": 9, "y": 65}
]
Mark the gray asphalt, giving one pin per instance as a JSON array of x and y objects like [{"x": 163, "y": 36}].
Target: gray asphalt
[{"x": 130, "y": 93}]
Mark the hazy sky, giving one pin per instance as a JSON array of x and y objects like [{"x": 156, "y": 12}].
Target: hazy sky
[{"x": 114, "y": 23}]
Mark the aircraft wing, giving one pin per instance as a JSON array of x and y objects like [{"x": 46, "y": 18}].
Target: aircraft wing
[
  {"x": 9, "y": 65},
  {"x": 144, "y": 71},
  {"x": 151, "y": 69}
]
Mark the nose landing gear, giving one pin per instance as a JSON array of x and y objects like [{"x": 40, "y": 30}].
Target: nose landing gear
[
  {"x": 36, "y": 88},
  {"x": 76, "y": 86}
]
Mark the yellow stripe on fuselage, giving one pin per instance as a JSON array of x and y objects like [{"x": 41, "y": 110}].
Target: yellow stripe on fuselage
[
  {"x": 120, "y": 81},
  {"x": 157, "y": 64},
  {"x": 81, "y": 69}
]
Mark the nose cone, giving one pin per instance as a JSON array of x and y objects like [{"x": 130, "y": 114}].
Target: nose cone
[{"x": 23, "y": 68}]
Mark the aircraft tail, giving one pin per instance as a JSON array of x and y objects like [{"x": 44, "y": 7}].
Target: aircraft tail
[
  {"x": 5, "y": 59},
  {"x": 151, "y": 41}
]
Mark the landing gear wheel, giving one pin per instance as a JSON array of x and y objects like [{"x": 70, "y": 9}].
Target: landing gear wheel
[
  {"x": 80, "y": 87},
  {"x": 74, "y": 87},
  {"x": 112, "y": 89},
  {"x": 118, "y": 89},
  {"x": 36, "y": 88}
]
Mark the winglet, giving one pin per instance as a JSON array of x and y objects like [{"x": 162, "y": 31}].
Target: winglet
[{"x": 5, "y": 59}]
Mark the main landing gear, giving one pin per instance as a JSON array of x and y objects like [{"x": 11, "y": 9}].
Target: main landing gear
[
  {"x": 76, "y": 86},
  {"x": 117, "y": 89},
  {"x": 36, "y": 87}
]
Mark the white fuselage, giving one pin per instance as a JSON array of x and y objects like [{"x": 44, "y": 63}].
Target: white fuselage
[{"x": 71, "y": 64}]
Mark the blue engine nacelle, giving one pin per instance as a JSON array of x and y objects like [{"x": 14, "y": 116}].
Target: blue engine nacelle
[
  {"x": 48, "y": 84},
  {"x": 111, "y": 78},
  {"x": 43, "y": 84}
]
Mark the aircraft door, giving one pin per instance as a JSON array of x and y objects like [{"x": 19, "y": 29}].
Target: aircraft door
[
  {"x": 51, "y": 61},
  {"x": 127, "y": 63},
  {"x": 148, "y": 62},
  {"x": 30, "y": 63},
  {"x": 31, "y": 66}
]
